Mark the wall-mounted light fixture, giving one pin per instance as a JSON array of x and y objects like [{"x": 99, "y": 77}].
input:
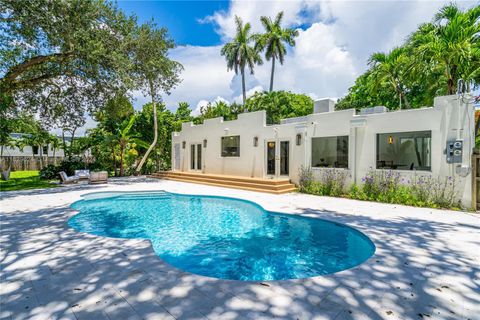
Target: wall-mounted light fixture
[
  {"x": 255, "y": 141},
  {"x": 204, "y": 143},
  {"x": 298, "y": 139},
  {"x": 390, "y": 140},
  {"x": 184, "y": 143}
]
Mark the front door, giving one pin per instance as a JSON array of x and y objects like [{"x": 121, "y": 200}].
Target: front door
[
  {"x": 278, "y": 158},
  {"x": 196, "y": 156},
  {"x": 271, "y": 162},
  {"x": 176, "y": 157}
]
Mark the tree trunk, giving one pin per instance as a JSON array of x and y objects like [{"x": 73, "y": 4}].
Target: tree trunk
[
  {"x": 71, "y": 143},
  {"x": 54, "y": 158},
  {"x": 407, "y": 104},
  {"x": 40, "y": 152},
  {"x": 64, "y": 144},
  {"x": 243, "y": 86},
  {"x": 451, "y": 80},
  {"x": 273, "y": 72},
  {"x": 114, "y": 161},
  {"x": 155, "y": 132},
  {"x": 121, "y": 161}
]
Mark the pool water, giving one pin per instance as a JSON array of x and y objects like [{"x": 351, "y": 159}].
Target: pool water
[{"x": 224, "y": 237}]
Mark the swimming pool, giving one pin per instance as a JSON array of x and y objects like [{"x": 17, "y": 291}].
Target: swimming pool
[{"x": 222, "y": 237}]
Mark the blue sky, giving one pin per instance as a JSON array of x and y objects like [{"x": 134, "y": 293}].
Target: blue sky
[
  {"x": 182, "y": 18},
  {"x": 335, "y": 41}
]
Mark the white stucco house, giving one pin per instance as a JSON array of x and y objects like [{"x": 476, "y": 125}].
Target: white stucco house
[{"x": 435, "y": 141}]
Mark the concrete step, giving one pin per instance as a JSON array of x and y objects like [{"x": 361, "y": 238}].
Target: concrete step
[
  {"x": 290, "y": 189},
  {"x": 225, "y": 177},
  {"x": 228, "y": 182},
  {"x": 252, "y": 184}
]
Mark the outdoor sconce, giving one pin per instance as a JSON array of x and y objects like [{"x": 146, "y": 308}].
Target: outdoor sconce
[
  {"x": 299, "y": 139},
  {"x": 390, "y": 140},
  {"x": 204, "y": 143},
  {"x": 184, "y": 143},
  {"x": 255, "y": 141}
]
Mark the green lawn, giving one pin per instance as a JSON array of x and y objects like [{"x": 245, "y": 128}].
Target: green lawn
[{"x": 24, "y": 180}]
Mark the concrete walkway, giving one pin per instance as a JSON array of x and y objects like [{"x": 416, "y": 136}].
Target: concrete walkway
[{"x": 426, "y": 266}]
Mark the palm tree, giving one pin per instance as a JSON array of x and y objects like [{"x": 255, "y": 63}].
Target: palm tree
[
  {"x": 54, "y": 143},
  {"x": 391, "y": 67},
  {"x": 273, "y": 40},
  {"x": 240, "y": 54},
  {"x": 451, "y": 44}
]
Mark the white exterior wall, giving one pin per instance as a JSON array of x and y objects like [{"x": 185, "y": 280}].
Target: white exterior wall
[
  {"x": 27, "y": 151},
  {"x": 448, "y": 119}
]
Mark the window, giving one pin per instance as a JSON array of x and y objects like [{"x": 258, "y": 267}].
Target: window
[
  {"x": 231, "y": 146},
  {"x": 35, "y": 150},
  {"x": 404, "y": 150},
  {"x": 45, "y": 150},
  {"x": 330, "y": 152}
]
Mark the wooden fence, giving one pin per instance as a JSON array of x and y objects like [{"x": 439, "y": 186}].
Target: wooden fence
[
  {"x": 28, "y": 163},
  {"x": 476, "y": 181}
]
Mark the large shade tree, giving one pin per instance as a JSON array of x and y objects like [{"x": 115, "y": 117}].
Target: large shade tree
[
  {"x": 154, "y": 72},
  {"x": 241, "y": 52},
  {"x": 273, "y": 41},
  {"x": 48, "y": 48}
]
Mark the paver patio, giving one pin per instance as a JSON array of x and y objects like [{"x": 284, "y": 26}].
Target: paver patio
[{"x": 426, "y": 265}]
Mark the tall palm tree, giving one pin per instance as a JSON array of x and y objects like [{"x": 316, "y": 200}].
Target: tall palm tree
[
  {"x": 452, "y": 44},
  {"x": 240, "y": 54},
  {"x": 273, "y": 41},
  {"x": 391, "y": 67}
]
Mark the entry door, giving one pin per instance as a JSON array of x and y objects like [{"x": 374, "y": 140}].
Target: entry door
[
  {"x": 271, "y": 156},
  {"x": 278, "y": 158},
  {"x": 196, "y": 156},
  {"x": 176, "y": 157},
  {"x": 284, "y": 158}
]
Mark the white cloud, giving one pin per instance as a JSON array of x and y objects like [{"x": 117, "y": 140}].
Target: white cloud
[
  {"x": 328, "y": 55},
  {"x": 248, "y": 93},
  {"x": 203, "y": 103}
]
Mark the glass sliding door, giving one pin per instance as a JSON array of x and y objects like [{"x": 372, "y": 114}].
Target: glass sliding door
[
  {"x": 199, "y": 157},
  {"x": 271, "y": 158},
  {"x": 284, "y": 157},
  {"x": 192, "y": 157},
  {"x": 196, "y": 156}
]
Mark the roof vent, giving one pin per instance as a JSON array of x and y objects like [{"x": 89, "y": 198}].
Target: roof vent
[
  {"x": 323, "y": 105},
  {"x": 377, "y": 109}
]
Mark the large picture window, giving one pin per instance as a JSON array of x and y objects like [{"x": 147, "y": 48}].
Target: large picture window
[
  {"x": 330, "y": 152},
  {"x": 404, "y": 150},
  {"x": 231, "y": 146}
]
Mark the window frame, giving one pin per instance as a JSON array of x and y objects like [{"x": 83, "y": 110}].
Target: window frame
[
  {"x": 347, "y": 167},
  {"x": 377, "y": 147},
  {"x": 222, "y": 154}
]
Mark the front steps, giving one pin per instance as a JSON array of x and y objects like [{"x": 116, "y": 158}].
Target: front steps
[{"x": 279, "y": 186}]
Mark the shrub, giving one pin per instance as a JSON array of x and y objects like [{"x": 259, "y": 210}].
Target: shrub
[
  {"x": 49, "y": 172},
  {"x": 332, "y": 182},
  {"x": 385, "y": 186}
]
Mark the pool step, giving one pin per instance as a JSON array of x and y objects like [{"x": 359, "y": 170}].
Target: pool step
[{"x": 277, "y": 186}]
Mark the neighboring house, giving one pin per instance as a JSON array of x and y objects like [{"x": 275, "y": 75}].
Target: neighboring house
[
  {"x": 435, "y": 141},
  {"x": 30, "y": 151}
]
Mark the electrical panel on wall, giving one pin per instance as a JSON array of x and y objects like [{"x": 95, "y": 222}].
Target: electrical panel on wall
[{"x": 454, "y": 151}]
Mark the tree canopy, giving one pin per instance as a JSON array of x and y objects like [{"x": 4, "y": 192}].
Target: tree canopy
[
  {"x": 57, "y": 50},
  {"x": 428, "y": 64}
]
